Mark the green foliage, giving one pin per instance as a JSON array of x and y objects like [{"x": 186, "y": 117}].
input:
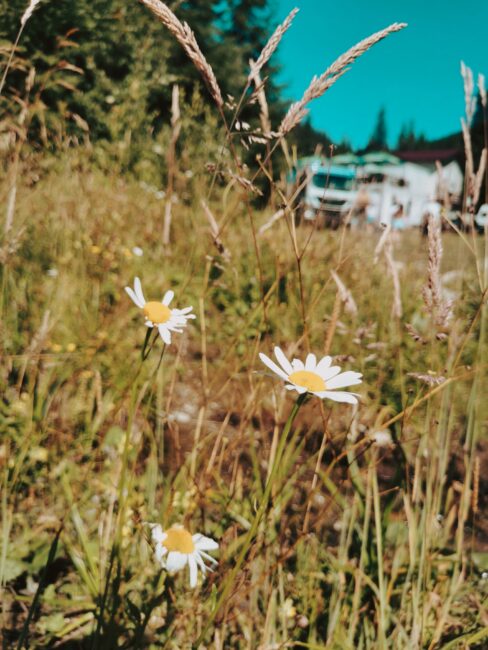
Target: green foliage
[
  {"x": 104, "y": 72},
  {"x": 128, "y": 59}
]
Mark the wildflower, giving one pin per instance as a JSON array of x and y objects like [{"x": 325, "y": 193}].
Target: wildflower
[
  {"x": 176, "y": 547},
  {"x": 320, "y": 379},
  {"x": 288, "y": 609},
  {"x": 158, "y": 314}
]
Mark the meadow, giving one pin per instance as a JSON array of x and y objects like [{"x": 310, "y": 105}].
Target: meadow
[{"x": 339, "y": 525}]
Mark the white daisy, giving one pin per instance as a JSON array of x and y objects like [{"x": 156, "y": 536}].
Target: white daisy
[
  {"x": 176, "y": 547},
  {"x": 158, "y": 314},
  {"x": 320, "y": 379}
]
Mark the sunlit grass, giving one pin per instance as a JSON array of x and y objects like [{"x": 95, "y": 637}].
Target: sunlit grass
[{"x": 326, "y": 537}]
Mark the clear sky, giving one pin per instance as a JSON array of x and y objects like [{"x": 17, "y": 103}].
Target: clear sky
[{"x": 414, "y": 74}]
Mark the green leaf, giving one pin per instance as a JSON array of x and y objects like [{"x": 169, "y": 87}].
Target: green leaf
[{"x": 13, "y": 569}]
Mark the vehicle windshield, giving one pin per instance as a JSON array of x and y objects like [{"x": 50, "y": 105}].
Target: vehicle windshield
[{"x": 332, "y": 181}]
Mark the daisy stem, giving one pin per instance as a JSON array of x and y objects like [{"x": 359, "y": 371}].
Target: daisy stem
[
  {"x": 122, "y": 499},
  {"x": 144, "y": 354},
  {"x": 263, "y": 506}
]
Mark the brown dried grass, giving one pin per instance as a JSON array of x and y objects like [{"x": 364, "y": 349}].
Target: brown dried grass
[
  {"x": 270, "y": 47},
  {"x": 432, "y": 291},
  {"x": 185, "y": 36}
]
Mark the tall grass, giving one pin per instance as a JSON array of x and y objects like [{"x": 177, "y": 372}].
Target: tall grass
[{"x": 338, "y": 526}]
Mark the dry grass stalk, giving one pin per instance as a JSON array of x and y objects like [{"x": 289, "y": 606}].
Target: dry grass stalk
[
  {"x": 414, "y": 334},
  {"x": 381, "y": 243},
  {"x": 482, "y": 89},
  {"x": 478, "y": 178},
  {"x": 9, "y": 217},
  {"x": 11, "y": 245},
  {"x": 25, "y": 17},
  {"x": 442, "y": 188},
  {"x": 185, "y": 36},
  {"x": 392, "y": 266},
  {"x": 432, "y": 292},
  {"x": 476, "y": 486},
  {"x": 215, "y": 231},
  {"x": 468, "y": 149},
  {"x": 28, "y": 12},
  {"x": 336, "y": 312},
  {"x": 346, "y": 296},
  {"x": 36, "y": 345},
  {"x": 262, "y": 101},
  {"x": 469, "y": 99},
  {"x": 276, "y": 216},
  {"x": 319, "y": 85},
  {"x": 171, "y": 160},
  {"x": 271, "y": 45},
  {"x": 474, "y": 179},
  {"x": 430, "y": 380},
  {"x": 244, "y": 183}
]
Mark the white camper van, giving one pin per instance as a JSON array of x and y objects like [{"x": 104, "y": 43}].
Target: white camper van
[
  {"x": 328, "y": 191},
  {"x": 376, "y": 188}
]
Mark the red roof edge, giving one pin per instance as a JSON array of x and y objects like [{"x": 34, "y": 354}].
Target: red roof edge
[{"x": 428, "y": 156}]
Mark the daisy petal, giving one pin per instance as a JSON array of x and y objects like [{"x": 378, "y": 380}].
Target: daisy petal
[
  {"x": 330, "y": 372},
  {"x": 165, "y": 334},
  {"x": 282, "y": 360},
  {"x": 272, "y": 366},
  {"x": 160, "y": 551},
  {"x": 348, "y": 378},
  {"x": 297, "y": 364},
  {"x": 340, "y": 396},
  {"x": 310, "y": 362},
  {"x": 176, "y": 561},
  {"x": 323, "y": 364},
  {"x": 193, "y": 571},
  {"x": 203, "y": 543},
  {"x": 134, "y": 298},
  {"x": 201, "y": 563},
  {"x": 168, "y": 297},
  {"x": 138, "y": 291},
  {"x": 208, "y": 557},
  {"x": 157, "y": 533}
]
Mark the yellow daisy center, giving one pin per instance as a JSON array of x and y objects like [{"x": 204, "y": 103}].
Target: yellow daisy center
[
  {"x": 179, "y": 539},
  {"x": 309, "y": 380},
  {"x": 156, "y": 312}
]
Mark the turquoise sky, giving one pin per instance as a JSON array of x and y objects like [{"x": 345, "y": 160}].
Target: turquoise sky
[{"x": 414, "y": 74}]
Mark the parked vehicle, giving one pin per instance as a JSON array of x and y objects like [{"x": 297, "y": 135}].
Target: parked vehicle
[
  {"x": 329, "y": 192},
  {"x": 376, "y": 188}
]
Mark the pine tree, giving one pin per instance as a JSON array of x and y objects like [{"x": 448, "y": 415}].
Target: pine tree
[
  {"x": 378, "y": 139},
  {"x": 128, "y": 60},
  {"x": 408, "y": 140}
]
